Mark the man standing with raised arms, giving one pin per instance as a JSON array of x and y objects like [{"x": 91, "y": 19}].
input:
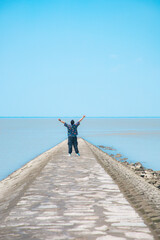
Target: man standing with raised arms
[{"x": 72, "y": 135}]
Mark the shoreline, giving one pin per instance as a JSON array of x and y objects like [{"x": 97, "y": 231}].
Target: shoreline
[
  {"x": 143, "y": 196},
  {"x": 151, "y": 176}
]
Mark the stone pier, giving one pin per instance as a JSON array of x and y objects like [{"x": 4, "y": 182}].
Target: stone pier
[{"x": 58, "y": 197}]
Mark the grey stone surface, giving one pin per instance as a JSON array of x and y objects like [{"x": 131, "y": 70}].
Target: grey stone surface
[
  {"x": 73, "y": 198},
  {"x": 143, "y": 196},
  {"x": 12, "y": 187}
]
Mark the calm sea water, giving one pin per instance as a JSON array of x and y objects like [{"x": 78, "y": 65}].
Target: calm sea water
[{"x": 22, "y": 139}]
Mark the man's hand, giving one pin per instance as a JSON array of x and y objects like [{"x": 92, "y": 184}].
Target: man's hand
[{"x": 82, "y": 118}]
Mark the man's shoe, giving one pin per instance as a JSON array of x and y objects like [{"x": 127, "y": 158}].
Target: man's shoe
[
  {"x": 69, "y": 154},
  {"x": 78, "y": 154}
]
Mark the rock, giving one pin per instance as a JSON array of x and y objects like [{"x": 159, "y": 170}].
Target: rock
[
  {"x": 157, "y": 184},
  {"x": 142, "y": 174},
  {"x": 151, "y": 181},
  {"x": 138, "y": 165},
  {"x": 118, "y": 155},
  {"x": 132, "y": 167},
  {"x": 125, "y": 163},
  {"x": 156, "y": 219},
  {"x": 107, "y": 148},
  {"x": 158, "y": 172},
  {"x": 156, "y": 175},
  {"x": 152, "y": 177},
  {"x": 101, "y": 146},
  {"x": 148, "y": 174}
]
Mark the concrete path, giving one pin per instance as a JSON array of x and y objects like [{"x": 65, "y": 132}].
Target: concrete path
[{"x": 73, "y": 198}]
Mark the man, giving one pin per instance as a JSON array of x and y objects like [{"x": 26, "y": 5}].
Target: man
[{"x": 72, "y": 135}]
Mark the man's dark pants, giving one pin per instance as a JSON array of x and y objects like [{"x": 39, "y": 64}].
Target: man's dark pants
[{"x": 72, "y": 141}]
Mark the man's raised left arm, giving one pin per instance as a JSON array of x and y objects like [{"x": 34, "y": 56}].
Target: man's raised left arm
[{"x": 82, "y": 118}]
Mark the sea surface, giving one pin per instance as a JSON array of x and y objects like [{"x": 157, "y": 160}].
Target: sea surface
[{"x": 22, "y": 139}]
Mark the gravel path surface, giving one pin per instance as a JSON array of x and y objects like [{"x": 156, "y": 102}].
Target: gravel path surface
[{"x": 73, "y": 198}]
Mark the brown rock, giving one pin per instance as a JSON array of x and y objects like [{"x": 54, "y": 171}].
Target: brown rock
[
  {"x": 101, "y": 146},
  {"x": 118, "y": 155},
  {"x": 124, "y": 159},
  {"x": 109, "y": 148},
  {"x": 125, "y": 163}
]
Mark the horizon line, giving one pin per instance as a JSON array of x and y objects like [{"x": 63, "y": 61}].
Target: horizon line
[{"x": 79, "y": 117}]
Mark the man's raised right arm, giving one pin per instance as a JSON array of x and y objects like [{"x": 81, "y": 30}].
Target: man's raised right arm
[{"x": 61, "y": 121}]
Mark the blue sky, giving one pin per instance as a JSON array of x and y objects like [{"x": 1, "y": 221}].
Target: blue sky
[{"x": 69, "y": 58}]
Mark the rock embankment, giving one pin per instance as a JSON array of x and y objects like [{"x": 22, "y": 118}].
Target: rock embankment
[
  {"x": 152, "y": 177},
  {"x": 143, "y": 196}
]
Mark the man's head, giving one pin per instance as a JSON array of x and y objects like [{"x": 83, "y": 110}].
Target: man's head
[{"x": 72, "y": 122}]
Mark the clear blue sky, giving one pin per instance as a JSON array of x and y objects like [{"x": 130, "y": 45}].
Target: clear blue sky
[{"x": 70, "y": 57}]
